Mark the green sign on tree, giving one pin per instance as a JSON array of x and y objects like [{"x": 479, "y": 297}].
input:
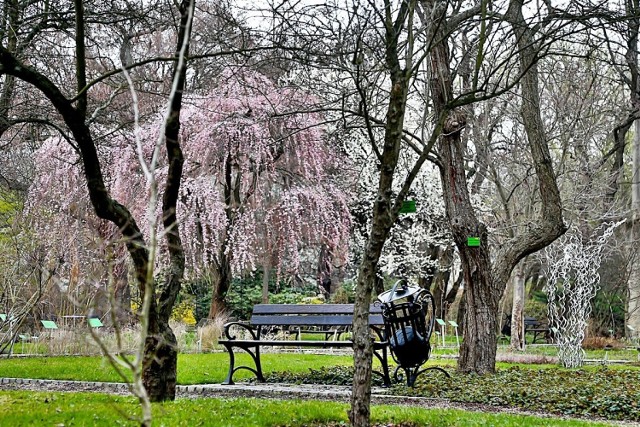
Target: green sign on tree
[
  {"x": 473, "y": 241},
  {"x": 408, "y": 206}
]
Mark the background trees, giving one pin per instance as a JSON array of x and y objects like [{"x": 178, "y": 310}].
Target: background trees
[{"x": 522, "y": 111}]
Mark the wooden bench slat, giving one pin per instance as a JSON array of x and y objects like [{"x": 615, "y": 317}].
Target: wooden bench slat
[
  {"x": 329, "y": 309},
  {"x": 310, "y": 320},
  {"x": 293, "y": 343}
]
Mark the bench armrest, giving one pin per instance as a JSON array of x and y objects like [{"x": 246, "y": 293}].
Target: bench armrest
[{"x": 242, "y": 325}]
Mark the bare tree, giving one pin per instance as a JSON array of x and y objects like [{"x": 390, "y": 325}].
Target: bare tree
[{"x": 160, "y": 352}]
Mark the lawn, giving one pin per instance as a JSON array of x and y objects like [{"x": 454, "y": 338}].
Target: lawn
[
  {"x": 204, "y": 368},
  {"x": 82, "y": 409},
  {"x": 608, "y": 392}
]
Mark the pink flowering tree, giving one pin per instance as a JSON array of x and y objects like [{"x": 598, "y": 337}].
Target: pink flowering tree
[{"x": 261, "y": 186}]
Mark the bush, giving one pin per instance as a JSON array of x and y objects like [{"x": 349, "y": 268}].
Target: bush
[
  {"x": 345, "y": 294},
  {"x": 247, "y": 291},
  {"x": 600, "y": 343},
  {"x": 184, "y": 313}
]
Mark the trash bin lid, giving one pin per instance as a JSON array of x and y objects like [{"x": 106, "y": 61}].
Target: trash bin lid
[{"x": 398, "y": 293}]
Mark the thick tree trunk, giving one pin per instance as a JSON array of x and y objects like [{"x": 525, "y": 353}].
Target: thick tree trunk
[
  {"x": 478, "y": 350},
  {"x": 220, "y": 282},
  {"x": 484, "y": 283},
  {"x": 160, "y": 364}
]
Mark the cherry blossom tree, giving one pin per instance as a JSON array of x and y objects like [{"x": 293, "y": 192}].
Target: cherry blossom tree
[{"x": 258, "y": 186}]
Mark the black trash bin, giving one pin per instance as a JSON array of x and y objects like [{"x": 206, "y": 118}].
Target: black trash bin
[{"x": 408, "y": 314}]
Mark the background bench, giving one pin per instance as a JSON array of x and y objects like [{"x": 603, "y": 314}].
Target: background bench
[
  {"x": 326, "y": 317},
  {"x": 539, "y": 329}
]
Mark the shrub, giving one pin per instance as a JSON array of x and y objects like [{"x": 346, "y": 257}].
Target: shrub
[
  {"x": 247, "y": 291},
  {"x": 210, "y": 331},
  {"x": 345, "y": 294},
  {"x": 184, "y": 313},
  {"x": 600, "y": 343}
]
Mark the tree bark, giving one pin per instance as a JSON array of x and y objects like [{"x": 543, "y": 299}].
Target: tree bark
[
  {"x": 484, "y": 283},
  {"x": 266, "y": 273},
  {"x": 385, "y": 213},
  {"x": 442, "y": 295},
  {"x": 517, "y": 309},
  {"x": 220, "y": 283},
  {"x": 633, "y": 295}
]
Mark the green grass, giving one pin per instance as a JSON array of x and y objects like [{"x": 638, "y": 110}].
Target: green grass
[
  {"x": 611, "y": 392},
  {"x": 82, "y": 409},
  {"x": 192, "y": 368}
]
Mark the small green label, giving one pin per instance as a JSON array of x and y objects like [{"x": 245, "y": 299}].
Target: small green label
[
  {"x": 408, "y": 206},
  {"x": 94, "y": 322},
  {"x": 441, "y": 322},
  {"x": 49, "y": 324},
  {"x": 473, "y": 241}
]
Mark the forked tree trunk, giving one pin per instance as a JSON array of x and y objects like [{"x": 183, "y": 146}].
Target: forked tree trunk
[
  {"x": 484, "y": 283},
  {"x": 159, "y": 376}
]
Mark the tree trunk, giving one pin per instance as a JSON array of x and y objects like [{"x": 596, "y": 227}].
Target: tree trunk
[
  {"x": 633, "y": 286},
  {"x": 220, "y": 283},
  {"x": 484, "y": 283},
  {"x": 324, "y": 270},
  {"x": 160, "y": 374},
  {"x": 517, "y": 309},
  {"x": 160, "y": 364},
  {"x": 478, "y": 350},
  {"x": 442, "y": 295},
  {"x": 385, "y": 214},
  {"x": 633, "y": 301},
  {"x": 266, "y": 273}
]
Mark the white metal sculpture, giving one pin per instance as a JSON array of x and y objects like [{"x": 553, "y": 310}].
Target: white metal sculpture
[{"x": 572, "y": 282}]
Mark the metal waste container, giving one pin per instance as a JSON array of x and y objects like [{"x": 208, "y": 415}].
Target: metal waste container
[{"x": 408, "y": 314}]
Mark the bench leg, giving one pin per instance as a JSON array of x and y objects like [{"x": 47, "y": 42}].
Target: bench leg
[
  {"x": 384, "y": 361},
  {"x": 256, "y": 360},
  {"x": 232, "y": 361},
  {"x": 255, "y": 355}
]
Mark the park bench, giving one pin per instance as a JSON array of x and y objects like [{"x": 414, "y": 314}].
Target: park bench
[
  {"x": 329, "y": 319},
  {"x": 539, "y": 329}
]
